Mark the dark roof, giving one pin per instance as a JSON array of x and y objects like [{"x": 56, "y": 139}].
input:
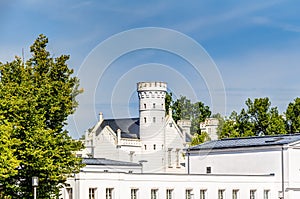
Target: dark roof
[
  {"x": 129, "y": 127},
  {"x": 104, "y": 161},
  {"x": 256, "y": 141}
]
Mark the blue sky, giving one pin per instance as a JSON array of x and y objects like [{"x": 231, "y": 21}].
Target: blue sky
[{"x": 254, "y": 44}]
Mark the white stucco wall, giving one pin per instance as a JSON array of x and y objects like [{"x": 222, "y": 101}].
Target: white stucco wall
[
  {"x": 122, "y": 183},
  {"x": 237, "y": 161}
]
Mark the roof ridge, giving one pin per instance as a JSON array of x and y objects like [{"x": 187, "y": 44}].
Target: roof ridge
[
  {"x": 122, "y": 118},
  {"x": 264, "y": 136}
]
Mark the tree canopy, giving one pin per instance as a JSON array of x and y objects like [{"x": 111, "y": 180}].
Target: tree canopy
[
  {"x": 259, "y": 118},
  {"x": 36, "y": 98},
  {"x": 184, "y": 109},
  {"x": 293, "y": 116}
]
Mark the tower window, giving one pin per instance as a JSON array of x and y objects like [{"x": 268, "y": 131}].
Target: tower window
[
  {"x": 145, "y": 147},
  {"x": 154, "y": 146},
  {"x": 145, "y": 106},
  {"x": 154, "y": 119},
  {"x": 145, "y": 120},
  {"x": 153, "y": 105}
]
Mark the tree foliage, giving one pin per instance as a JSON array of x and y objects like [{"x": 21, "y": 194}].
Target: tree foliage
[
  {"x": 36, "y": 98},
  {"x": 258, "y": 119},
  {"x": 199, "y": 138},
  {"x": 293, "y": 116},
  {"x": 184, "y": 109}
]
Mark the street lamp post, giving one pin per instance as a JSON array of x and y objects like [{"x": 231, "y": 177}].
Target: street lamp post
[{"x": 35, "y": 184}]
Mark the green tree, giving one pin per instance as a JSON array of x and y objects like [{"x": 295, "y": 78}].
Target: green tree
[
  {"x": 36, "y": 99},
  {"x": 258, "y": 119},
  {"x": 184, "y": 109},
  {"x": 168, "y": 102},
  {"x": 293, "y": 116},
  {"x": 199, "y": 138}
]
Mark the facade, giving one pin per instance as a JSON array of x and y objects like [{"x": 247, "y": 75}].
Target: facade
[
  {"x": 153, "y": 139},
  {"x": 275, "y": 155},
  {"x": 123, "y": 185},
  {"x": 266, "y": 167}
]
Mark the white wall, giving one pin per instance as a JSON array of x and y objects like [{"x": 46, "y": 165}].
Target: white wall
[
  {"x": 122, "y": 183},
  {"x": 237, "y": 161}
]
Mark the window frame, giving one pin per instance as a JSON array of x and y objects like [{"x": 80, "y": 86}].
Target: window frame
[
  {"x": 154, "y": 194},
  {"x": 252, "y": 194},
  {"x": 169, "y": 193},
  {"x": 92, "y": 192},
  {"x": 221, "y": 193},
  {"x": 134, "y": 193},
  {"x": 69, "y": 191},
  {"x": 235, "y": 193},
  {"x": 110, "y": 192},
  {"x": 203, "y": 193},
  {"x": 266, "y": 194},
  {"x": 188, "y": 193}
]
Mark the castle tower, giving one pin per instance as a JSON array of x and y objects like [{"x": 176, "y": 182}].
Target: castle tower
[{"x": 152, "y": 114}]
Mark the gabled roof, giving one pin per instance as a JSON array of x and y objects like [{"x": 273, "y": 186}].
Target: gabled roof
[
  {"x": 257, "y": 141},
  {"x": 129, "y": 127},
  {"x": 108, "y": 162}
]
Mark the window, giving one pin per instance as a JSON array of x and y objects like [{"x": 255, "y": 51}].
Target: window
[
  {"x": 221, "y": 193},
  {"x": 169, "y": 194},
  {"x": 154, "y": 119},
  {"x": 145, "y": 106},
  {"x": 145, "y": 147},
  {"x": 252, "y": 194},
  {"x": 169, "y": 158},
  {"x": 154, "y": 194},
  {"x": 177, "y": 158},
  {"x": 134, "y": 193},
  {"x": 266, "y": 194},
  {"x": 70, "y": 193},
  {"x": 202, "y": 194},
  {"x": 109, "y": 193},
  {"x": 188, "y": 193},
  {"x": 92, "y": 193},
  {"x": 208, "y": 169},
  {"x": 145, "y": 120},
  {"x": 154, "y": 146},
  {"x": 235, "y": 194},
  {"x": 153, "y": 105}
]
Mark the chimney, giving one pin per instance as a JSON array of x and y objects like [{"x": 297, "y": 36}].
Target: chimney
[
  {"x": 100, "y": 117},
  {"x": 119, "y": 136}
]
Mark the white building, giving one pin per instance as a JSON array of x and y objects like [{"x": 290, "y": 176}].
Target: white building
[
  {"x": 153, "y": 138},
  {"x": 210, "y": 126},
  {"x": 142, "y": 158},
  {"x": 265, "y": 167},
  {"x": 278, "y": 156}
]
